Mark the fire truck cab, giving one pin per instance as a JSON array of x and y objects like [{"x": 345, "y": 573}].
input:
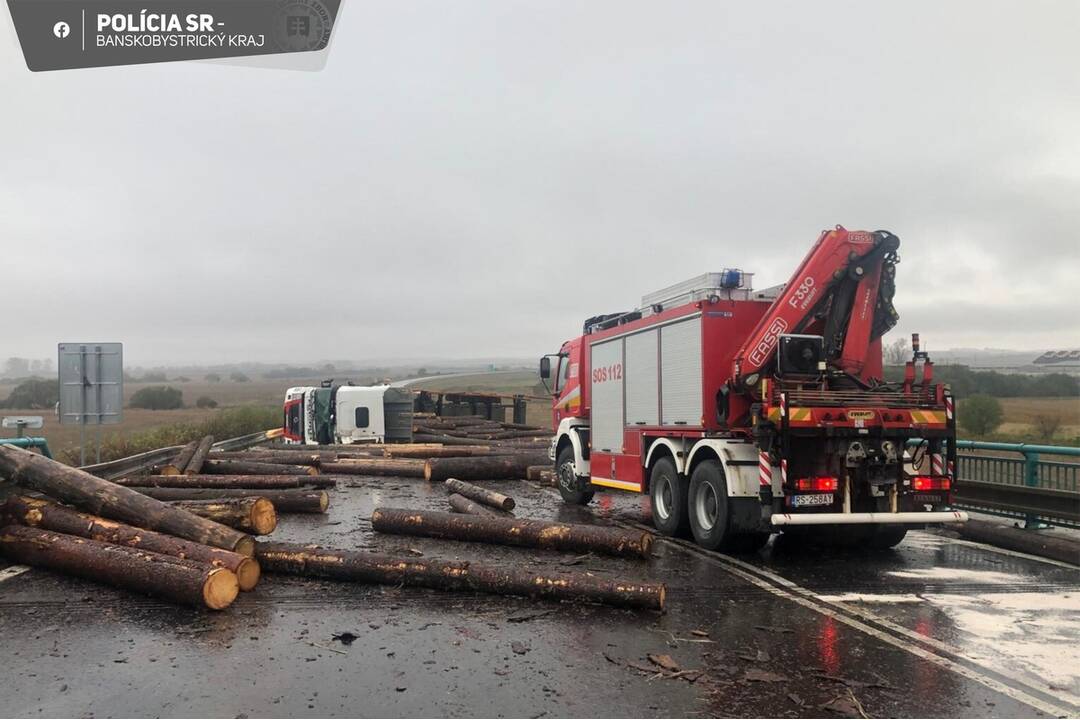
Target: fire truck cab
[{"x": 745, "y": 412}]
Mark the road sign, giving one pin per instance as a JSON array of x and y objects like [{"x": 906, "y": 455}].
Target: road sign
[
  {"x": 91, "y": 387},
  {"x": 33, "y": 422},
  {"x": 91, "y": 383}
]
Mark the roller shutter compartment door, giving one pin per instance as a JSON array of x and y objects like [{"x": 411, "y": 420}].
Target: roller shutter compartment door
[
  {"x": 607, "y": 396},
  {"x": 680, "y": 373},
  {"x": 642, "y": 379}
]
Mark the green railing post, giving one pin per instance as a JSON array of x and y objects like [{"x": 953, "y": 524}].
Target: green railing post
[
  {"x": 27, "y": 443},
  {"x": 1031, "y": 479}
]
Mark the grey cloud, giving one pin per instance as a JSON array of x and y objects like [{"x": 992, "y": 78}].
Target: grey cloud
[{"x": 468, "y": 180}]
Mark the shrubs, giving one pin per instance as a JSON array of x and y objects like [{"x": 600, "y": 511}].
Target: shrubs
[
  {"x": 153, "y": 377},
  {"x": 33, "y": 394},
  {"x": 979, "y": 414},
  {"x": 157, "y": 397},
  {"x": 212, "y": 377},
  {"x": 1046, "y": 426},
  {"x": 206, "y": 402},
  {"x": 239, "y": 377}
]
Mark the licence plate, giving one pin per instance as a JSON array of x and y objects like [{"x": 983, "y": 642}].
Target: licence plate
[{"x": 812, "y": 500}]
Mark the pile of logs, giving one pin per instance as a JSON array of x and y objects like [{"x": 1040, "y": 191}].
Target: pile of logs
[
  {"x": 183, "y": 531},
  {"x": 474, "y": 429},
  {"x": 120, "y": 537}
]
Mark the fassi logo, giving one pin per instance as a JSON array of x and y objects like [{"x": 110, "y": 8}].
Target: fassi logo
[{"x": 768, "y": 341}]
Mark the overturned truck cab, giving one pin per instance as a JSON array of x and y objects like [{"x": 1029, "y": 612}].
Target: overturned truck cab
[{"x": 347, "y": 414}]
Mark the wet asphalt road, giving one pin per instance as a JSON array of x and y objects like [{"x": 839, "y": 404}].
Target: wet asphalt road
[{"x": 938, "y": 627}]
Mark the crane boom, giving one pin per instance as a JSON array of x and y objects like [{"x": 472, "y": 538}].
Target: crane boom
[{"x": 843, "y": 288}]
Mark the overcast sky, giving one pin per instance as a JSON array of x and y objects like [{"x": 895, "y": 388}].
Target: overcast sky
[{"x": 469, "y": 179}]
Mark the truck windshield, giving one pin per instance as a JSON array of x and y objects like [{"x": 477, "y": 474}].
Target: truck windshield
[
  {"x": 563, "y": 374},
  {"x": 294, "y": 419}
]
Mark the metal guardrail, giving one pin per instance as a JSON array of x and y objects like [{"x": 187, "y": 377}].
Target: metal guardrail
[
  {"x": 1024, "y": 486},
  {"x": 29, "y": 442},
  {"x": 134, "y": 463}
]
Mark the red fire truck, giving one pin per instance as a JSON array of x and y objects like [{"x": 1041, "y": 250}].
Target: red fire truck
[{"x": 745, "y": 412}]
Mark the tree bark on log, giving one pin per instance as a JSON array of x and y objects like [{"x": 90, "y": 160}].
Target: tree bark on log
[
  {"x": 110, "y": 500},
  {"x": 481, "y": 495},
  {"x": 254, "y": 482},
  {"x": 377, "y": 466},
  {"x": 439, "y": 452},
  {"x": 275, "y": 457},
  {"x": 447, "y": 439},
  {"x": 285, "y": 501},
  {"x": 255, "y": 515},
  {"x": 195, "y": 466},
  {"x": 164, "y": 576},
  {"x": 248, "y": 467},
  {"x": 182, "y": 459},
  {"x": 354, "y": 566},
  {"x": 47, "y": 515},
  {"x": 495, "y": 467},
  {"x": 512, "y": 531},
  {"x": 461, "y": 504}
]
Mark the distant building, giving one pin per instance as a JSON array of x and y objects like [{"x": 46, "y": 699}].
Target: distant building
[{"x": 1059, "y": 358}]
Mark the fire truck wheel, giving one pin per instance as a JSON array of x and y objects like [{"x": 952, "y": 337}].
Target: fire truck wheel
[
  {"x": 709, "y": 505},
  {"x": 667, "y": 494},
  {"x": 574, "y": 490}
]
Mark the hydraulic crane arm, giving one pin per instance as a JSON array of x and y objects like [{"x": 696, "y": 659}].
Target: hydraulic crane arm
[{"x": 843, "y": 289}]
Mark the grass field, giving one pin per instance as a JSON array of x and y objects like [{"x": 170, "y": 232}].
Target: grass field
[
  {"x": 1021, "y": 414},
  {"x": 263, "y": 393}
]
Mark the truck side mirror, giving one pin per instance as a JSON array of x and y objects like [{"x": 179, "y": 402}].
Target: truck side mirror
[{"x": 545, "y": 367}]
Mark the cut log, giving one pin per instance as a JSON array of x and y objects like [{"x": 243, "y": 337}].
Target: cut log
[
  {"x": 497, "y": 467},
  {"x": 47, "y": 515},
  {"x": 285, "y": 501},
  {"x": 438, "y": 452},
  {"x": 164, "y": 576},
  {"x": 254, "y": 482},
  {"x": 181, "y": 461},
  {"x": 464, "y": 505},
  {"x": 481, "y": 495},
  {"x": 377, "y": 466},
  {"x": 512, "y": 531},
  {"x": 277, "y": 458},
  {"x": 542, "y": 474},
  {"x": 195, "y": 466},
  {"x": 248, "y": 467},
  {"x": 447, "y": 439},
  {"x": 311, "y": 561},
  {"x": 255, "y": 515},
  {"x": 110, "y": 500}
]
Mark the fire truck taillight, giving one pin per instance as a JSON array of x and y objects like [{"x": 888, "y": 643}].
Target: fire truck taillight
[
  {"x": 817, "y": 484},
  {"x": 922, "y": 483}
]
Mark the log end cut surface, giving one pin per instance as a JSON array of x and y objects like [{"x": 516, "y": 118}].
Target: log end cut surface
[
  {"x": 263, "y": 517},
  {"x": 247, "y": 574},
  {"x": 245, "y": 546},
  {"x": 220, "y": 589}
]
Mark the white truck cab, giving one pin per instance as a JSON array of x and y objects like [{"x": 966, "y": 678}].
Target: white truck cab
[{"x": 347, "y": 414}]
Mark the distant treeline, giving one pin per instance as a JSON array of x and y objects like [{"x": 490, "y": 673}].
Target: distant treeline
[{"x": 966, "y": 382}]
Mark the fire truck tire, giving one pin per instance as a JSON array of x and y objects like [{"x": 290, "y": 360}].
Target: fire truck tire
[
  {"x": 574, "y": 490},
  {"x": 709, "y": 506},
  {"x": 668, "y": 491}
]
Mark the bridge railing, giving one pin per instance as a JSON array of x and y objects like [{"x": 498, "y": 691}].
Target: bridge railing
[{"x": 1019, "y": 480}]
